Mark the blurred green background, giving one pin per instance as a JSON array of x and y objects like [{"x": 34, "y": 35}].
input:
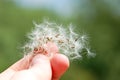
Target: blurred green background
[{"x": 99, "y": 19}]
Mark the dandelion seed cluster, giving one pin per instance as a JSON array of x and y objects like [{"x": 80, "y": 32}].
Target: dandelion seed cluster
[{"x": 68, "y": 42}]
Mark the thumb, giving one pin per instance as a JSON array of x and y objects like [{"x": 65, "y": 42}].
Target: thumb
[{"x": 41, "y": 67}]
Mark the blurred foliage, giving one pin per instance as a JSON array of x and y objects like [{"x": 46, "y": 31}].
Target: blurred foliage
[{"x": 98, "y": 21}]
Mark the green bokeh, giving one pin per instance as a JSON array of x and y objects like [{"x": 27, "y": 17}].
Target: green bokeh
[{"x": 102, "y": 26}]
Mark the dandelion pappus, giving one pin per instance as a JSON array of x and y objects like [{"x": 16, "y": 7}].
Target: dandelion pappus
[
  {"x": 67, "y": 40},
  {"x": 60, "y": 41},
  {"x": 49, "y": 38},
  {"x": 57, "y": 35},
  {"x": 76, "y": 39},
  {"x": 73, "y": 47},
  {"x": 39, "y": 50}
]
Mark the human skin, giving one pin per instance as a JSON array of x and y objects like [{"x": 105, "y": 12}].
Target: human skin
[{"x": 38, "y": 67}]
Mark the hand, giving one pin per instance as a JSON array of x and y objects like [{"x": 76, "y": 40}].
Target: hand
[{"x": 39, "y": 67}]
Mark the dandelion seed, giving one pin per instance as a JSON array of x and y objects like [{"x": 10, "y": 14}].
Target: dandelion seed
[{"x": 69, "y": 43}]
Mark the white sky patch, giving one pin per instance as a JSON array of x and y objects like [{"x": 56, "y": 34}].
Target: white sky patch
[{"x": 61, "y": 7}]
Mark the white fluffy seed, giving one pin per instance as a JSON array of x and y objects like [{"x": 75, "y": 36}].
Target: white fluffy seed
[{"x": 68, "y": 42}]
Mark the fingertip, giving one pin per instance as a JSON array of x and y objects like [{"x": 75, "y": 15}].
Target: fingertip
[
  {"x": 59, "y": 63},
  {"x": 52, "y": 48},
  {"x": 61, "y": 59}
]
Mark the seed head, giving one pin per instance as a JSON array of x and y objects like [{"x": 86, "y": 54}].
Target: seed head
[{"x": 68, "y": 42}]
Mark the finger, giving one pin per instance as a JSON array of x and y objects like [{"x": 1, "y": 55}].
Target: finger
[
  {"x": 19, "y": 65},
  {"x": 41, "y": 67},
  {"x": 22, "y": 64},
  {"x": 39, "y": 70},
  {"x": 60, "y": 64},
  {"x": 52, "y": 48}
]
